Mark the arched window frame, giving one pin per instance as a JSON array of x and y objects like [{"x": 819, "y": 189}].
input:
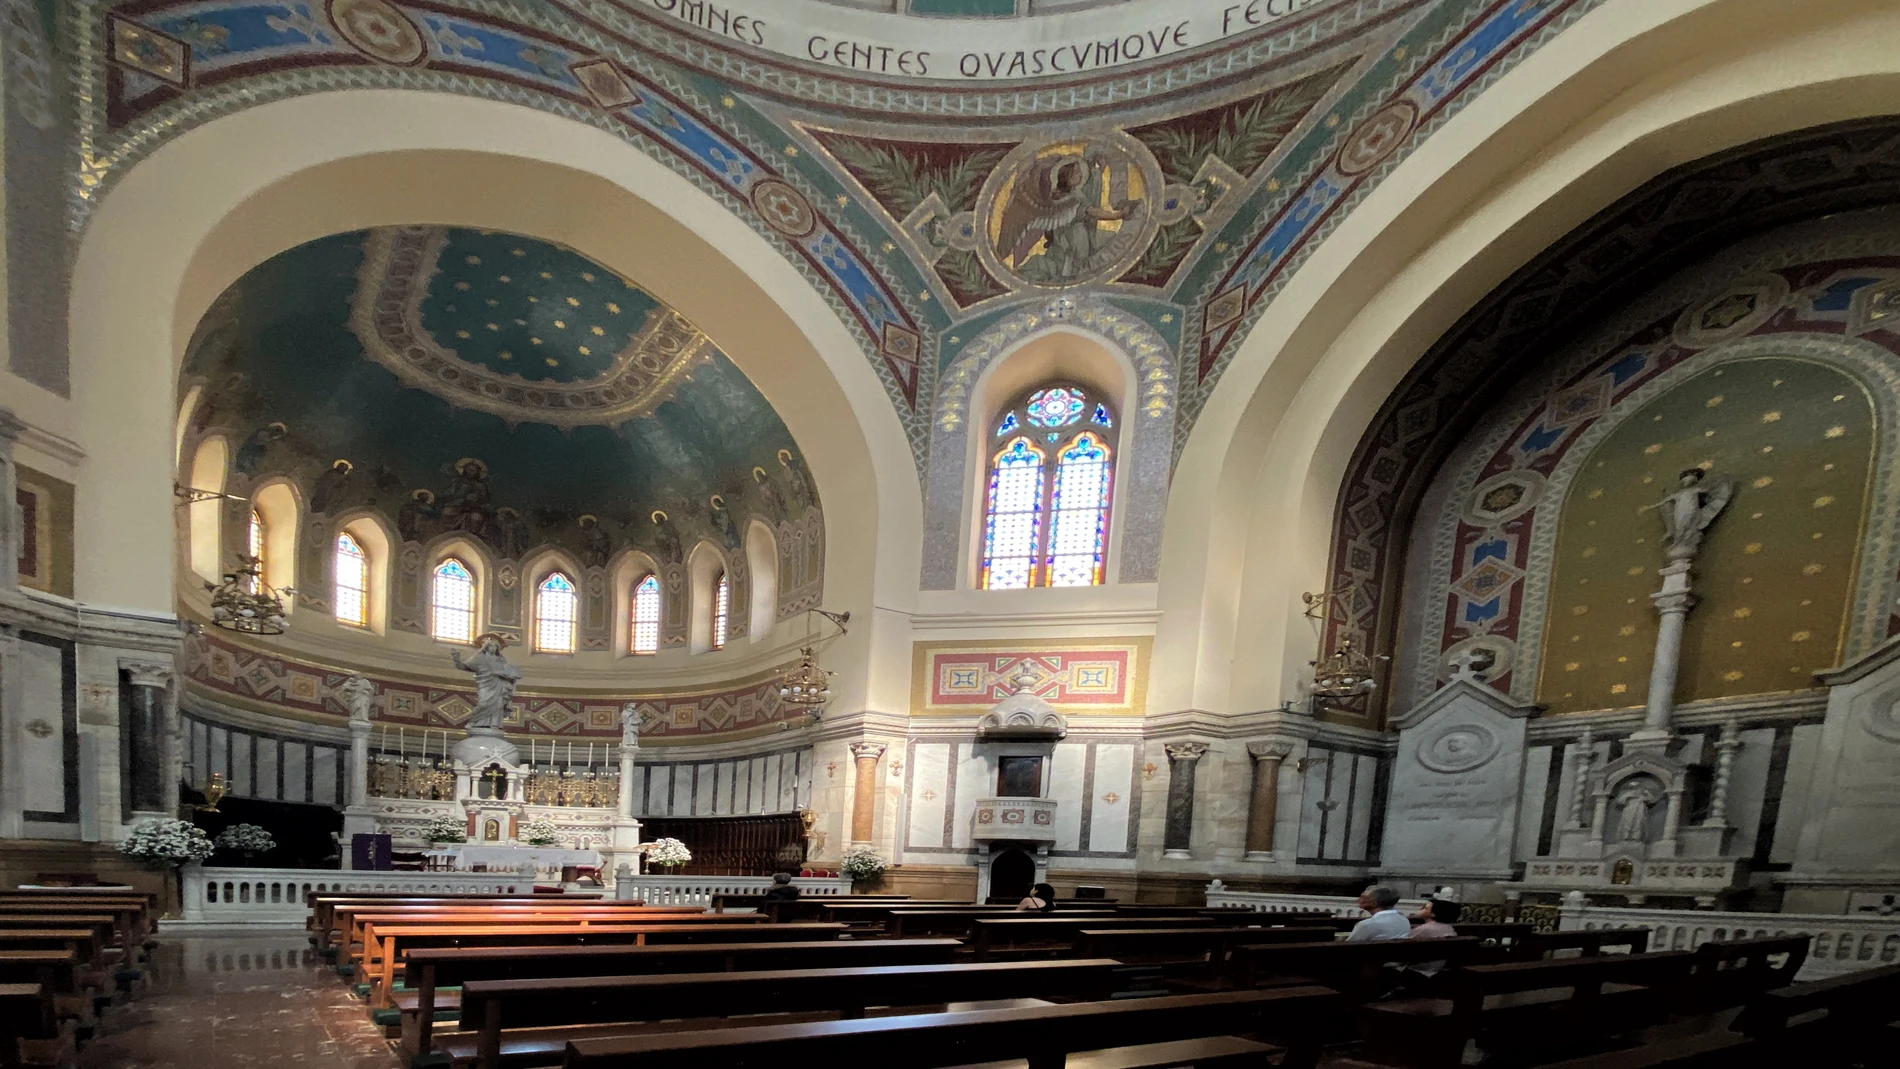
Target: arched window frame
[
  {"x": 557, "y": 612},
  {"x": 643, "y": 615},
  {"x": 721, "y": 609},
  {"x": 442, "y": 612},
  {"x": 256, "y": 544},
  {"x": 271, "y": 535},
  {"x": 351, "y": 581},
  {"x": 1051, "y": 436},
  {"x": 210, "y": 466},
  {"x": 761, "y": 552},
  {"x": 374, "y": 535}
]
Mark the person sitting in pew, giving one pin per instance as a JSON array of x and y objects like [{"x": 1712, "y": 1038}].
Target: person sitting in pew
[
  {"x": 1042, "y": 899},
  {"x": 1386, "y": 921},
  {"x": 1417, "y": 979},
  {"x": 1436, "y": 920},
  {"x": 781, "y": 889}
]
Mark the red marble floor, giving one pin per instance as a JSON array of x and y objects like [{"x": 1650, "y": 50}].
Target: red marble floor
[{"x": 235, "y": 1003}]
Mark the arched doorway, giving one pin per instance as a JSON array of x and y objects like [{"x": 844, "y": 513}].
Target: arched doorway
[{"x": 1012, "y": 872}]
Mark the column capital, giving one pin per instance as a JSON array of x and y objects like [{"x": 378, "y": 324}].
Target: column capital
[
  {"x": 1270, "y": 749},
  {"x": 144, "y": 674},
  {"x": 872, "y": 750},
  {"x": 1186, "y": 751}
]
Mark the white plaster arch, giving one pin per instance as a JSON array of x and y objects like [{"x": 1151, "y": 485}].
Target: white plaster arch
[
  {"x": 705, "y": 563},
  {"x": 628, "y": 567},
  {"x": 1591, "y": 115},
  {"x": 184, "y": 223},
  {"x": 761, "y": 552},
  {"x": 1129, "y": 361},
  {"x": 204, "y": 520},
  {"x": 279, "y": 503}
]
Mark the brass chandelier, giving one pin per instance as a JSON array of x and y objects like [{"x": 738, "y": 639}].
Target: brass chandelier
[
  {"x": 1345, "y": 673},
  {"x": 243, "y": 603},
  {"x": 808, "y": 686}
]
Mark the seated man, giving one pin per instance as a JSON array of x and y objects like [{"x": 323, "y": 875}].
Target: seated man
[
  {"x": 782, "y": 889},
  {"x": 1386, "y": 921}
]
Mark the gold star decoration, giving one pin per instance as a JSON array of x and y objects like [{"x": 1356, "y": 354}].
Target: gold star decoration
[
  {"x": 1771, "y": 417},
  {"x": 560, "y": 324},
  {"x": 553, "y": 362},
  {"x": 614, "y": 308},
  {"x": 506, "y": 355},
  {"x": 1811, "y": 569},
  {"x": 1626, "y": 629},
  {"x": 587, "y": 276},
  {"x": 517, "y": 252},
  {"x": 1823, "y": 501},
  {"x": 573, "y": 302},
  {"x": 1713, "y": 401},
  {"x": 473, "y": 261},
  {"x": 598, "y": 332},
  {"x": 1573, "y": 666},
  {"x": 461, "y": 334},
  {"x": 1744, "y": 613},
  {"x": 585, "y": 351},
  {"x": 1752, "y": 547},
  {"x": 463, "y": 286},
  {"x": 1834, "y": 432},
  {"x": 1619, "y": 688},
  {"x": 504, "y": 278},
  {"x": 1731, "y": 675},
  {"x": 1763, "y": 483},
  {"x": 547, "y": 275}
]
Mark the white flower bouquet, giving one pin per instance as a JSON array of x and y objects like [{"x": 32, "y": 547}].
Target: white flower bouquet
[
  {"x": 863, "y": 865},
  {"x": 538, "y": 832},
  {"x": 445, "y": 830},
  {"x": 167, "y": 843},
  {"x": 247, "y": 839},
  {"x": 666, "y": 853}
]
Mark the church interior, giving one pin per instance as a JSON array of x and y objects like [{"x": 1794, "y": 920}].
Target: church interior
[{"x": 1115, "y": 533}]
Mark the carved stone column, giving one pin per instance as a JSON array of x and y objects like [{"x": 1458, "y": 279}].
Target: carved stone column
[
  {"x": 1182, "y": 758},
  {"x": 1580, "y": 779},
  {"x": 1265, "y": 810},
  {"x": 359, "y": 762},
  {"x": 12, "y": 524},
  {"x": 864, "y": 793},
  {"x": 1725, "y": 747},
  {"x": 144, "y": 736}
]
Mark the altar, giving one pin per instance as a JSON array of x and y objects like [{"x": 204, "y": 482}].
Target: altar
[{"x": 464, "y": 857}]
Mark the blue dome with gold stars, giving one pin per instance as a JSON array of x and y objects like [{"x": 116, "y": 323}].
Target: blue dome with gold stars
[{"x": 373, "y": 367}]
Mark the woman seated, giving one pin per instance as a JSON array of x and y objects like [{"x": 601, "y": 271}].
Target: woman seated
[{"x": 1042, "y": 899}]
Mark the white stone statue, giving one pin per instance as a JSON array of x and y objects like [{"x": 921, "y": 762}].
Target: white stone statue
[
  {"x": 1688, "y": 510},
  {"x": 495, "y": 681},
  {"x": 1633, "y": 802},
  {"x": 358, "y": 695},
  {"x": 630, "y": 725}
]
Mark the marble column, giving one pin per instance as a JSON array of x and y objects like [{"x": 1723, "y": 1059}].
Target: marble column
[
  {"x": 625, "y": 802},
  {"x": 12, "y": 523},
  {"x": 1725, "y": 747},
  {"x": 1182, "y": 758},
  {"x": 1673, "y": 603},
  {"x": 145, "y": 737},
  {"x": 864, "y": 792},
  {"x": 359, "y": 762},
  {"x": 1265, "y": 809}
]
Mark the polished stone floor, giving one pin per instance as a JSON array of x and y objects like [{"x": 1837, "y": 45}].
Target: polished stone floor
[{"x": 238, "y": 1002}]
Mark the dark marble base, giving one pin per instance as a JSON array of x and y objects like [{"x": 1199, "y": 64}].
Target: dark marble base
[{"x": 242, "y": 1002}]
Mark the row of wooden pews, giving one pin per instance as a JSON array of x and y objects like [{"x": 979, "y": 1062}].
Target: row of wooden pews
[{"x": 65, "y": 954}]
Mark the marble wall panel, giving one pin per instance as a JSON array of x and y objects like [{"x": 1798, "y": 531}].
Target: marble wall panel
[{"x": 1108, "y": 816}]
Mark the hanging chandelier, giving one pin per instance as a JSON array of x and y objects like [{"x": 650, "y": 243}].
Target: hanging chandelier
[
  {"x": 243, "y": 603},
  {"x": 1345, "y": 673},
  {"x": 806, "y": 685}
]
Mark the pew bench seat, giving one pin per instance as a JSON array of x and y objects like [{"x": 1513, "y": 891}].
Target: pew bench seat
[{"x": 1210, "y": 1052}]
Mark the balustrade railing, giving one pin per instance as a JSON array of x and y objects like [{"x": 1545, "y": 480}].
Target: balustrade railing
[
  {"x": 1219, "y": 897},
  {"x": 662, "y": 890},
  {"x": 274, "y": 898}
]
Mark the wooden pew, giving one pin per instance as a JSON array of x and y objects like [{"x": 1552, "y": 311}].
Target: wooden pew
[
  {"x": 1523, "y": 1004},
  {"x": 1174, "y": 1030},
  {"x": 392, "y": 941},
  {"x": 321, "y": 903},
  {"x": 133, "y": 915},
  {"x": 83, "y": 942},
  {"x": 993, "y": 934},
  {"x": 427, "y": 971},
  {"x": 57, "y": 972},
  {"x": 29, "y": 1028},
  {"x": 1208, "y": 947},
  {"x": 1713, "y": 1050},
  {"x": 1356, "y": 970},
  {"x": 1736, "y": 971},
  {"x": 1843, "y": 1018},
  {"x": 1507, "y": 936},
  {"x": 906, "y": 924},
  {"x": 1542, "y": 946},
  {"x": 350, "y": 919},
  {"x": 337, "y": 914},
  {"x": 541, "y": 1016},
  {"x": 879, "y": 915}
]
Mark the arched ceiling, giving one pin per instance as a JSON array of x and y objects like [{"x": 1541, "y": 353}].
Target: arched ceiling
[
  {"x": 491, "y": 384},
  {"x": 929, "y": 176}
]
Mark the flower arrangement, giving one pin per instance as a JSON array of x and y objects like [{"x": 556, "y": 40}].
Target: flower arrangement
[
  {"x": 167, "y": 843},
  {"x": 445, "y": 830},
  {"x": 666, "y": 853},
  {"x": 863, "y": 865},
  {"x": 247, "y": 839},
  {"x": 538, "y": 832}
]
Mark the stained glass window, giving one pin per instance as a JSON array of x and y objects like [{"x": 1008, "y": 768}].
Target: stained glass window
[
  {"x": 1078, "y": 524},
  {"x": 452, "y": 596},
  {"x": 352, "y": 582},
  {"x": 644, "y": 630},
  {"x": 722, "y": 601},
  {"x": 1057, "y": 406},
  {"x": 257, "y": 549},
  {"x": 1046, "y": 522},
  {"x": 1014, "y": 523},
  {"x": 556, "y": 608}
]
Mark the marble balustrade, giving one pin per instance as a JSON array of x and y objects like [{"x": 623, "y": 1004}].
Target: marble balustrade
[{"x": 663, "y": 890}]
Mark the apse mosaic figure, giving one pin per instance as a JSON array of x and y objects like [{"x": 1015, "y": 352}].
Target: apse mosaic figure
[{"x": 1069, "y": 213}]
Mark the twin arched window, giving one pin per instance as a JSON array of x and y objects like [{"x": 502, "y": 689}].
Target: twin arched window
[
  {"x": 643, "y": 631},
  {"x": 1046, "y": 519}
]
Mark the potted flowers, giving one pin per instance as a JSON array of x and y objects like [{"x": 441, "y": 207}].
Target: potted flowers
[
  {"x": 167, "y": 844},
  {"x": 538, "y": 832},
  {"x": 668, "y": 854},
  {"x": 445, "y": 830},
  {"x": 865, "y": 867},
  {"x": 247, "y": 839}
]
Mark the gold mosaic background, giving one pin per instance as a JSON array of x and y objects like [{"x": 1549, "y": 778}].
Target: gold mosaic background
[{"x": 1776, "y": 570}]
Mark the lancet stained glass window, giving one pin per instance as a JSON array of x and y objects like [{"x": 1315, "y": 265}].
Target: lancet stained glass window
[
  {"x": 722, "y": 601},
  {"x": 1046, "y": 521},
  {"x": 644, "y": 625},
  {"x": 556, "y": 608},
  {"x": 352, "y": 582},
  {"x": 257, "y": 549},
  {"x": 452, "y": 596}
]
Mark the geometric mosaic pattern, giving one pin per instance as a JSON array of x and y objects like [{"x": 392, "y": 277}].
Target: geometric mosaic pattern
[{"x": 1095, "y": 677}]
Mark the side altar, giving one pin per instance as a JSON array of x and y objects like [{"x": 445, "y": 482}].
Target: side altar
[{"x": 484, "y": 786}]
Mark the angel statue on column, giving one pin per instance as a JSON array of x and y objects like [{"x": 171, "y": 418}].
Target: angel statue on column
[
  {"x": 1688, "y": 510},
  {"x": 495, "y": 681}
]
